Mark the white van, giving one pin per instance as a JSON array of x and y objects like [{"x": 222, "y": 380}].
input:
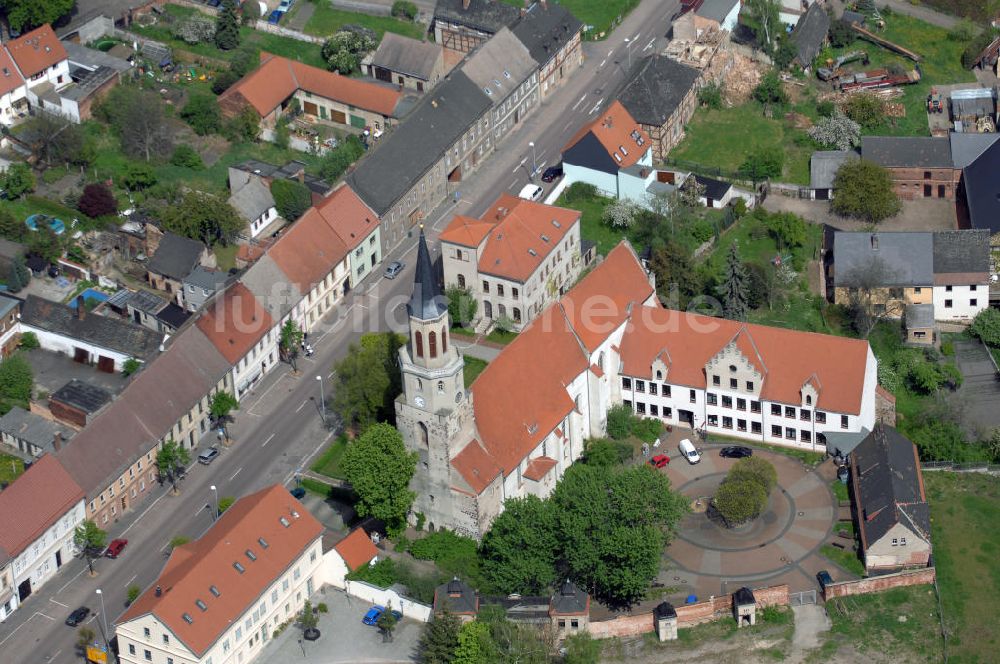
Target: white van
[
  {"x": 530, "y": 192},
  {"x": 688, "y": 451}
]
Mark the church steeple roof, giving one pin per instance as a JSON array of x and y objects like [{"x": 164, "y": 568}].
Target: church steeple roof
[{"x": 426, "y": 301}]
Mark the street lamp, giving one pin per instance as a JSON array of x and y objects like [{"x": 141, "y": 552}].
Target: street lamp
[
  {"x": 628, "y": 47},
  {"x": 534, "y": 161},
  {"x": 322, "y": 400},
  {"x": 215, "y": 514},
  {"x": 104, "y": 621}
]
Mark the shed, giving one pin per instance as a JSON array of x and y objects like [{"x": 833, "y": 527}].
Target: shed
[
  {"x": 919, "y": 322},
  {"x": 810, "y": 34},
  {"x": 76, "y": 402}
]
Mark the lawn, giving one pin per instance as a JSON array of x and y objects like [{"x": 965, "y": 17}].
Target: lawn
[
  {"x": 724, "y": 138},
  {"x": 846, "y": 558},
  {"x": 24, "y": 207},
  {"x": 839, "y": 490},
  {"x": 598, "y": 13},
  {"x": 329, "y": 462},
  {"x": 11, "y": 468},
  {"x": 501, "y": 336},
  {"x": 965, "y": 530},
  {"x": 225, "y": 255},
  {"x": 473, "y": 367},
  {"x": 326, "y": 20}
]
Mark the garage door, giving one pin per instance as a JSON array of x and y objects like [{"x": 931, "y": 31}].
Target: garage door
[
  {"x": 310, "y": 108},
  {"x": 105, "y": 364},
  {"x": 357, "y": 121},
  {"x": 339, "y": 117}
]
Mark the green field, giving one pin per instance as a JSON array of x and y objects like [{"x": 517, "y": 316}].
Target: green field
[
  {"x": 329, "y": 462},
  {"x": 965, "y": 529},
  {"x": 326, "y": 20}
]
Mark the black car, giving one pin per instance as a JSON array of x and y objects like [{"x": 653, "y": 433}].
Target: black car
[
  {"x": 552, "y": 173},
  {"x": 735, "y": 452},
  {"x": 298, "y": 493},
  {"x": 78, "y": 616},
  {"x": 824, "y": 579}
]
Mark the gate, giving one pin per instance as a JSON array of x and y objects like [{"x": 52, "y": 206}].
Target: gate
[{"x": 799, "y": 599}]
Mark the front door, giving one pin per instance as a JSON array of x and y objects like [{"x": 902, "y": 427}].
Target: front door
[
  {"x": 81, "y": 355},
  {"x": 24, "y": 590},
  {"x": 928, "y": 191},
  {"x": 58, "y": 559},
  {"x": 338, "y": 116},
  {"x": 940, "y": 191},
  {"x": 488, "y": 308}
]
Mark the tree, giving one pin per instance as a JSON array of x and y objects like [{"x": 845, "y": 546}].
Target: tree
[
  {"x": 866, "y": 293},
  {"x": 841, "y": 33},
  {"x": 785, "y": 53},
  {"x": 755, "y": 469},
  {"x": 223, "y": 403},
  {"x": 473, "y": 640},
  {"x": 986, "y": 326},
  {"x": 518, "y": 553},
  {"x": 607, "y": 453},
  {"x": 344, "y": 50},
  {"x": 244, "y": 126},
  {"x": 130, "y": 366},
  {"x": 710, "y": 96},
  {"x": 739, "y": 501},
  {"x": 282, "y": 134},
  {"x": 171, "y": 460},
  {"x": 84, "y": 637},
  {"x": 404, "y": 9},
  {"x": 837, "y": 131},
  {"x": 90, "y": 540},
  {"x": 386, "y": 622},
  {"x": 45, "y": 243},
  {"x": 18, "y": 277},
  {"x": 770, "y": 90},
  {"x": 202, "y": 113},
  {"x": 28, "y": 341},
  {"x": 864, "y": 190},
  {"x": 194, "y": 29},
  {"x": 307, "y": 617},
  {"x": 225, "y": 79},
  {"x": 16, "y": 381},
  {"x": 11, "y": 228},
  {"x": 138, "y": 177},
  {"x": 379, "y": 468},
  {"x": 291, "y": 197},
  {"x": 676, "y": 280},
  {"x": 582, "y": 648},
  {"x": 439, "y": 639},
  {"x": 24, "y": 15},
  {"x": 368, "y": 380},
  {"x": 227, "y": 26},
  {"x": 55, "y": 139},
  {"x": 734, "y": 286},
  {"x": 620, "y": 213},
  {"x": 18, "y": 180},
  {"x": 338, "y": 160},
  {"x": 137, "y": 117},
  {"x": 787, "y": 229},
  {"x": 865, "y": 108},
  {"x": 462, "y": 306},
  {"x": 289, "y": 342},
  {"x": 187, "y": 157},
  {"x": 97, "y": 201},
  {"x": 762, "y": 17},
  {"x": 249, "y": 13},
  {"x": 690, "y": 192},
  {"x": 764, "y": 163},
  {"x": 620, "y": 420},
  {"x": 203, "y": 216}
]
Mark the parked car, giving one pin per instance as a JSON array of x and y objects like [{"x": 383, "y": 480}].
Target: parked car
[
  {"x": 659, "y": 461},
  {"x": 298, "y": 493},
  {"x": 208, "y": 456},
  {"x": 373, "y": 614},
  {"x": 824, "y": 579},
  {"x": 530, "y": 192},
  {"x": 274, "y": 17},
  {"x": 115, "y": 548},
  {"x": 552, "y": 173},
  {"x": 688, "y": 451},
  {"x": 735, "y": 452},
  {"x": 78, "y": 616},
  {"x": 393, "y": 270}
]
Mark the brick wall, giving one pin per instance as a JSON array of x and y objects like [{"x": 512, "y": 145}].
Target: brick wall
[
  {"x": 877, "y": 584},
  {"x": 909, "y": 183},
  {"x": 622, "y": 626}
]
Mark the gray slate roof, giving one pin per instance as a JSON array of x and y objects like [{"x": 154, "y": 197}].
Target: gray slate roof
[
  {"x": 7, "y": 304},
  {"x": 888, "y": 479},
  {"x": 716, "y": 10},
  {"x": 824, "y": 164},
  {"x": 211, "y": 280},
  {"x": 271, "y": 287},
  {"x": 714, "y": 189},
  {"x": 426, "y": 300},
  {"x": 146, "y": 302},
  {"x": 175, "y": 256},
  {"x": 919, "y": 315},
  {"x": 892, "y": 260},
  {"x": 35, "y": 429},
  {"x": 569, "y": 599},
  {"x": 252, "y": 199},
  {"x": 982, "y": 189},
  {"x": 111, "y": 333},
  {"x": 545, "y": 30},
  {"x": 82, "y": 396},
  {"x": 500, "y": 65},
  {"x": 457, "y": 596},
  {"x": 966, "y": 147},
  {"x": 486, "y": 15},
  {"x": 386, "y": 173},
  {"x": 656, "y": 89},
  {"x": 964, "y": 251},
  {"x": 810, "y": 33},
  {"x": 91, "y": 58},
  {"x": 907, "y": 152},
  {"x": 407, "y": 56}
]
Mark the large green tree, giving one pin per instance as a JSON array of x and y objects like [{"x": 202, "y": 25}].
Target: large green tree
[
  {"x": 18, "y": 180},
  {"x": 367, "y": 380},
  {"x": 379, "y": 468},
  {"x": 54, "y": 140},
  {"x": 676, "y": 279},
  {"x": 171, "y": 460},
  {"x": 137, "y": 117},
  {"x": 439, "y": 639},
  {"x": 863, "y": 190},
  {"x": 462, "y": 306},
  {"x": 289, "y": 342},
  {"x": 986, "y": 326},
  {"x": 220, "y": 408},
  {"x": 735, "y": 286},
  {"x": 291, "y": 197},
  {"x": 743, "y": 494},
  {"x": 762, "y": 17},
  {"x": 16, "y": 382},
  {"x": 25, "y": 15},
  {"x": 787, "y": 228},
  {"x": 519, "y": 551},
  {"x": 203, "y": 216},
  {"x": 203, "y": 114},
  {"x": 90, "y": 540},
  {"x": 227, "y": 26}
]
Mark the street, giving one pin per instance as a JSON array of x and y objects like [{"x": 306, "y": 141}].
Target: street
[{"x": 278, "y": 428}]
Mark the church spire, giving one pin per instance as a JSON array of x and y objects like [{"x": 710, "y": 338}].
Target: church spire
[{"x": 426, "y": 301}]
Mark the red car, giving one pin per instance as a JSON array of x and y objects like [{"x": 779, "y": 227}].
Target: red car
[
  {"x": 115, "y": 548},
  {"x": 659, "y": 461}
]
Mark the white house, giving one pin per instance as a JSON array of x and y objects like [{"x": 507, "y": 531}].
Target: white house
[
  {"x": 220, "y": 598},
  {"x": 253, "y": 200},
  {"x": 357, "y": 227},
  {"x": 961, "y": 274},
  {"x": 43, "y": 63},
  {"x": 348, "y": 555},
  {"x": 39, "y": 513},
  {"x": 13, "y": 91}
]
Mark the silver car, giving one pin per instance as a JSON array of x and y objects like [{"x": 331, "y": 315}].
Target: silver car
[
  {"x": 393, "y": 269},
  {"x": 208, "y": 456}
]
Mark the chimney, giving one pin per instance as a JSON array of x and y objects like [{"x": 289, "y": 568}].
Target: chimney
[
  {"x": 501, "y": 213},
  {"x": 81, "y": 310},
  {"x": 57, "y": 441},
  {"x": 159, "y": 591},
  {"x": 465, "y": 4}
]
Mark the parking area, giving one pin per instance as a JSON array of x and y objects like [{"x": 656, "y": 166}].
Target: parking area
[
  {"x": 345, "y": 639},
  {"x": 53, "y": 370}
]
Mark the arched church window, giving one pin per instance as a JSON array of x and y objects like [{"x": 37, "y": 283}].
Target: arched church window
[
  {"x": 424, "y": 436},
  {"x": 440, "y": 387},
  {"x": 432, "y": 347},
  {"x": 418, "y": 342},
  {"x": 444, "y": 340}
]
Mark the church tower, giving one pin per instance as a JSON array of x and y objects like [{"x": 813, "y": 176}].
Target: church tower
[{"x": 434, "y": 413}]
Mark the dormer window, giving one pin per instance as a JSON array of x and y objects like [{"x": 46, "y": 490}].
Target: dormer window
[
  {"x": 506, "y": 74},
  {"x": 496, "y": 82},
  {"x": 214, "y": 591},
  {"x": 283, "y": 521},
  {"x": 251, "y": 555},
  {"x": 617, "y": 158},
  {"x": 239, "y": 567},
  {"x": 201, "y": 605},
  {"x": 487, "y": 91},
  {"x": 187, "y": 618},
  {"x": 809, "y": 400},
  {"x": 263, "y": 542},
  {"x": 624, "y": 151}
]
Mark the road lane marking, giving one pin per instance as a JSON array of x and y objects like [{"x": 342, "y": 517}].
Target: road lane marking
[
  {"x": 302, "y": 405},
  {"x": 127, "y": 583},
  {"x": 596, "y": 107},
  {"x": 519, "y": 165},
  {"x": 65, "y": 606},
  {"x": 268, "y": 440},
  {"x": 603, "y": 62},
  {"x": 512, "y": 184},
  {"x": 650, "y": 44},
  {"x": 610, "y": 52},
  {"x": 579, "y": 101},
  {"x": 233, "y": 476},
  {"x": 74, "y": 578},
  {"x": 567, "y": 125}
]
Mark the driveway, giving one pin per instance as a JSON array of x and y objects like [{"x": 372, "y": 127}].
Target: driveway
[
  {"x": 345, "y": 639},
  {"x": 980, "y": 391},
  {"x": 926, "y": 214}
]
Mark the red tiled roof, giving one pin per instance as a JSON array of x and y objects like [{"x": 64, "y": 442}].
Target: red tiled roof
[
  {"x": 348, "y": 216},
  {"x": 466, "y": 231},
  {"x": 835, "y": 365},
  {"x": 10, "y": 78},
  {"x": 277, "y": 79},
  {"x": 36, "y": 51},
  {"x": 613, "y": 129},
  {"x": 475, "y": 466},
  {"x": 308, "y": 251},
  {"x": 356, "y": 549},
  {"x": 234, "y": 321},
  {"x": 539, "y": 467},
  {"x": 196, "y": 566},
  {"x": 35, "y": 501}
]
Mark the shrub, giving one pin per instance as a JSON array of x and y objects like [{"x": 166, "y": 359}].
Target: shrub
[
  {"x": 202, "y": 113},
  {"x": 97, "y": 200},
  {"x": 224, "y": 80},
  {"x": 130, "y": 366},
  {"x": 580, "y": 191},
  {"x": 837, "y": 131},
  {"x": 764, "y": 163},
  {"x": 187, "y": 157},
  {"x": 29, "y": 340},
  {"x": 404, "y": 9},
  {"x": 947, "y": 348},
  {"x": 18, "y": 180},
  {"x": 620, "y": 421},
  {"x": 710, "y": 96},
  {"x": 291, "y": 198},
  {"x": 421, "y": 519},
  {"x": 604, "y": 452},
  {"x": 770, "y": 90},
  {"x": 336, "y": 161},
  {"x": 865, "y": 108},
  {"x": 647, "y": 429},
  {"x": 133, "y": 593},
  {"x": 826, "y": 108},
  {"x": 139, "y": 176},
  {"x": 322, "y": 608},
  {"x": 986, "y": 326},
  {"x": 755, "y": 469},
  {"x": 841, "y": 34}
]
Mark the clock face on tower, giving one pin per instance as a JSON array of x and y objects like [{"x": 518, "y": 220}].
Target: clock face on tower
[{"x": 418, "y": 401}]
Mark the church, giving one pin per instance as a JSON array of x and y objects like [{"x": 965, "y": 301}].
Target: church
[{"x": 607, "y": 341}]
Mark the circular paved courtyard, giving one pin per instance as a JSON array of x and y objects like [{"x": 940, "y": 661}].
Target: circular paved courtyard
[{"x": 779, "y": 547}]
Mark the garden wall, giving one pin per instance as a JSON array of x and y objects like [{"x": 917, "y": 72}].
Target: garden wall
[
  {"x": 877, "y": 584},
  {"x": 386, "y": 596}
]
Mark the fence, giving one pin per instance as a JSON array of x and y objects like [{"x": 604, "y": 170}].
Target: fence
[
  {"x": 387, "y": 596},
  {"x": 790, "y": 190},
  {"x": 263, "y": 26},
  {"x": 874, "y": 584},
  {"x": 702, "y": 169},
  {"x": 721, "y": 226},
  {"x": 969, "y": 467}
]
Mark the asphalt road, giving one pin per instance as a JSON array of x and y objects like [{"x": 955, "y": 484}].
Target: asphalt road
[{"x": 278, "y": 429}]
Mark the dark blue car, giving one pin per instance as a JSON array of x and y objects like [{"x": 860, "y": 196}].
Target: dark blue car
[
  {"x": 274, "y": 17},
  {"x": 373, "y": 614}
]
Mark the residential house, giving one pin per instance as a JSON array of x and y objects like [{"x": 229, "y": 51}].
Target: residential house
[
  {"x": 38, "y": 515},
  {"x": 458, "y": 598},
  {"x": 201, "y": 285},
  {"x": 350, "y": 554},
  {"x": 113, "y": 459},
  {"x": 172, "y": 259},
  {"x": 515, "y": 259},
  {"x": 77, "y": 402},
  {"x": 920, "y": 167},
  {"x": 94, "y": 74},
  {"x": 321, "y": 95},
  {"x": 149, "y": 310},
  {"x": 661, "y": 96},
  {"x": 254, "y": 203},
  {"x": 823, "y": 167},
  {"x": 889, "y": 503},
  {"x": 465, "y": 25},
  {"x": 809, "y": 34},
  {"x": 723, "y": 13},
  {"x": 552, "y": 36},
  {"x": 615, "y": 154},
  {"x": 962, "y": 267},
  {"x": 409, "y": 63},
  {"x": 268, "y": 173},
  {"x": 87, "y": 338},
  {"x": 918, "y": 319},
  {"x": 32, "y": 434},
  {"x": 43, "y": 63},
  {"x": 221, "y": 597},
  {"x": 13, "y": 91},
  {"x": 505, "y": 71},
  {"x": 357, "y": 226},
  {"x": 10, "y": 330},
  {"x": 422, "y": 161}
]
